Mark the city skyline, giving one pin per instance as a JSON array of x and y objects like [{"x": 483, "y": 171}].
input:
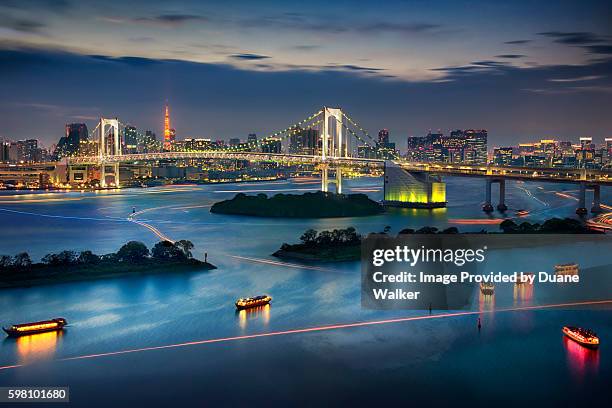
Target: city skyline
[{"x": 400, "y": 66}]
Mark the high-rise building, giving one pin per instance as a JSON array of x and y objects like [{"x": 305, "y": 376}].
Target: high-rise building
[
  {"x": 386, "y": 150},
  {"x": 4, "y": 152},
  {"x": 69, "y": 144},
  {"x": 271, "y": 145},
  {"x": 475, "y": 146},
  {"x": 608, "y": 146},
  {"x": 233, "y": 142},
  {"x": 383, "y": 136},
  {"x": 252, "y": 138},
  {"x": 502, "y": 156},
  {"x": 130, "y": 140}
]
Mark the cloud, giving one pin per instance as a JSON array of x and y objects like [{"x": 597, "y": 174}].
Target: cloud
[
  {"x": 577, "y": 79},
  {"x": 171, "y": 20},
  {"x": 306, "y": 47},
  {"x": 249, "y": 57},
  {"x": 402, "y": 28},
  {"x": 518, "y": 42},
  {"x": 599, "y": 49},
  {"x": 21, "y": 25},
  {"x": 573, "y": 38},
  {"x": 510, "y": 56}
]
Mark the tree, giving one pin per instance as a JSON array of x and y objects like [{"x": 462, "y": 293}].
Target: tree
[
  {"x": 387, "y": 229},
  {"x": 166, "y": 250},
  {"x": 450, "y": 230},
  {"x": 50, "y": 259},
  {"x": 67, "y": 257},
  {"x": 508, "y": 226},
  {"x": 427, "y": 230},
  {"x": 185, "y": 246},
  {"x": 133, "y": 251},
  {"x": 6, "y": 261},
  {"x": 88, "y": 257},
  {"x": 22, "y": 260},
  {"x": 309, "y": 236}
]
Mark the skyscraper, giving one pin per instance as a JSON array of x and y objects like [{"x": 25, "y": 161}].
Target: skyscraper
[
  {"x": 130, "y": 139},
  {"x": 68, "y": 144}
]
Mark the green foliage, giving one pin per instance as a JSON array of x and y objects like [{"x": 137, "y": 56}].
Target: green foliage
[
  {"x": 88, "y": 257},
  {"x": 166, "y": 250},
  {"x": 22, "y": 260},
  {"x": 551, "y": 226},
  {"x": 133, "y": 251},
  {"x": 308, "y": 205},
  {"x": 186, "y": 247},
  {"x": 6, "y": 261}
]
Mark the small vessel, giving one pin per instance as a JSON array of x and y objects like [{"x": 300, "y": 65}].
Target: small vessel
[
  {"x": 245, "y": 303},
  {"x": 522, "y": 213},
  {"x": 35, "y": 327},
  {"x": 566, "y": 269},
  {"x": 586, "y": 337},
  {"x": 487, "y": 288}
]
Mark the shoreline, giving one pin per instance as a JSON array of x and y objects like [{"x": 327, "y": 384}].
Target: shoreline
[{"x": 62, "y": 274}]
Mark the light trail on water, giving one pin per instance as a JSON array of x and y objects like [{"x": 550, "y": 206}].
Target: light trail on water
[
  {"x": 316, "y": 329},
  {"x": 284, "y": 264}
]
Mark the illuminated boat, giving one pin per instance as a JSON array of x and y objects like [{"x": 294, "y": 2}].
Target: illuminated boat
[
  {"x": 35, "y": 327},
  {"x": 246, "y": 303},
  {"x": 487, "y": 288},
  {"x": 566, "y": 269},
  {"x": 586, "y": 337},
  {"x": 522, "y": 213}
]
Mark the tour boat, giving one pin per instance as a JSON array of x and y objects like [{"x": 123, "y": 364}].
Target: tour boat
[
  {"x": 522, "y": 213},
  {"x": 36, "y": 327},
  {"x": 566, "y": 269},
  {"x": 487, "y": 288},
  {"x": 245, "y": 303},
  {"x": 586, "y": 337}
]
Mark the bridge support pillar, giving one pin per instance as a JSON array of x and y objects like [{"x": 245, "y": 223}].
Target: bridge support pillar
[
  {"x": 581, "y": 210},
  {"x": 502, "y": 196},
  {"x": 109, "y": 169},
  {"x": 596, "y": 208},
  {"x": 338, "y": 180},
  {"x": 324, "y": 178},
  {"x": 487, "y": 206}
]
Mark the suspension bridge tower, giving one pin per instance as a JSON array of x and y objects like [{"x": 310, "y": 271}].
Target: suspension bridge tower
[
  {"x": 333, "y": 145},
  {"x": 109, "y": 143}
]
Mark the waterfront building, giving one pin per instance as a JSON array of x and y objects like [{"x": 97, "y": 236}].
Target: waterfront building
[
  {"x": 502, "y": 156},
  {"x": 234, "y": 141}
]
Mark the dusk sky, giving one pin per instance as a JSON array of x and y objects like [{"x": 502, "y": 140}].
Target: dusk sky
[{"x": 523, "y": 70}]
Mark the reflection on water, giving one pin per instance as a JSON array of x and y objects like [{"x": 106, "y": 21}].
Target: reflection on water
[
  {"x": 486, "y": 302},
  {"x": 40, "y": 346},
  {"x": 581, "y": 360},
  {"x": 259, "y": 312},
  {"x": 523, "y": 294}
]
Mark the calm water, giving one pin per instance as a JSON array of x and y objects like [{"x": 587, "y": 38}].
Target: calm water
[{"x": 518, "y": 355}]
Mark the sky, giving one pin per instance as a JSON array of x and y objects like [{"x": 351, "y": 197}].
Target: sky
[{"x": 523, "y": 70}]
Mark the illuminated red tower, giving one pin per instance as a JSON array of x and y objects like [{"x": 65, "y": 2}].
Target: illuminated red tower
[{"x": 169, "y": 134}]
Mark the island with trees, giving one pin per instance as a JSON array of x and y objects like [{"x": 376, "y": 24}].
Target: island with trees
[
  {"x": 132, "y": 258},
  {"x": 330, "y": 246},
  {"x": 308, "y": 205},
  {"x": 345, "y": 244}
]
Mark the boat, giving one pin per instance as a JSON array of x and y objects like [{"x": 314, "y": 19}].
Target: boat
[
  {"x": 487, "y": 288},
  {"x": 522, "y": 213},
  {"x": 246, "y": 303},
  {"x": 36, "y": 327},
  {"x": 566, "y": 269},
  {"x": 586, "y": 337}
]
